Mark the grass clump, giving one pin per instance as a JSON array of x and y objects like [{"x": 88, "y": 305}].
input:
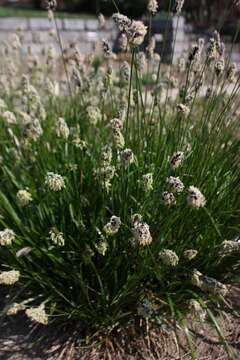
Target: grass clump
[{"x": 118, "y": 200}]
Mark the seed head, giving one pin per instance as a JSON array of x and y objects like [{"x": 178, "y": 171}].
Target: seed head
[
  {"x": 9, "y": 277},
  {"x": 122, "y": 21},
  {"x": 107, "y": 51},
  {"x": 168, "y": 198},
  {"x": 51, "y": 5},
  {"x": 15, "y": 308},
  {"x": 136, "y": 219},
  {"x": 176, "y": 160},
  {"x": 54, "y": 182},
  {"x": 125, "y": 72},
  {"x": 112, "y": 227},
  {"x": 208, "y": 284},
  {"x": 62, "y": 129},
  {"x": 175, "y": 184},
  {"x": 7, "y": 236},
  {"x": 147, "y": 180},
  {"x": 127, "y": 157},
  {"x": 195, "y": 198},
  {"x": 9, "y": 117},
  {"x": 190, "y": 254},
  {"x": 169, "y": 257},
  {"x": 152, "y": 6},
  {"x": 136, "y": 33},
  {"x": 106, "y": 155},
  {"x": 183, "y": 109},
  {"x": 141, "y": 233},
  {"x": 57, "y": 237},
  {"x": 38, "y": 314},
  {"x": 24, "y": 198}
]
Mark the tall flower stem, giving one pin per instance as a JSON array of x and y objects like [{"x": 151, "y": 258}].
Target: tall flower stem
[
  {"x": 130, "y": 91},
  {"x": 63, "y": 59}
]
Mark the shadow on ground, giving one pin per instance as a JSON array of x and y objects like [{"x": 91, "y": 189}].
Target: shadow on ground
[{"x": 20, "y": 340}]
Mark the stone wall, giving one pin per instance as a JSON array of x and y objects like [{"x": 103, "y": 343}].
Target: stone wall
[
  {"x": 86, "y": 33},
  {"x": 36, "y": 32}
]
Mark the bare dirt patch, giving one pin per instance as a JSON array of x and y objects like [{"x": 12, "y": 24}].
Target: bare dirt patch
[{"x": 19, "y": 340}]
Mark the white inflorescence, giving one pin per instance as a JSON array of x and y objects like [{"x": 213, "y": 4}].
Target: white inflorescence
[
  {"x": 15, "y": 308},
  {"x": 9, "y": 277},
  {"x": 24, "y": 198},
  {"x": 55, "y": 182},
  {"x": 127, "y": 157},
  {"x": 152, "y": 6},
  {"x": 147, "y": 180},
  {"x": 168, "y": 198},
  {"x": 6, "y": 237},
  {"x": 134, "y": 30},
  {"x": 183, "y": 109},
  {"x": 112, "y": 226},
  {"x": 57, "y": 237},
  {"x": 141, "y": 232},
  {"x": 38, "y": 314},
  {"x": 169, "y": 257},
  {"x": 176, "y": 160},
  {"x": 62, "y": 129},
  {"x": 9, "y": 117},
  {"x": 195, "y": 198},
  {"x": 175, "y": 184}
]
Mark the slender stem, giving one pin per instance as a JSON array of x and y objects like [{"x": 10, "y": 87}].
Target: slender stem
[
  {"x": 63, "y": 59},
  {"x": 130, "y": 91}
]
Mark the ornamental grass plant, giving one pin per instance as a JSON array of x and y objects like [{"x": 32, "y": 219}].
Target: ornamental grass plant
[{"x": 119, "y": 199}]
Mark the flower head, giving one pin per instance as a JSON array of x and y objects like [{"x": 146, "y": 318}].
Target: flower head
[
  {"x": 33, "y": 130},
  {"x": 127, "y": 157},
  {"x": 112, "y": 227},
  {"x": 169, "y": 257},
  {"x": 102, "y": 247},
  {"x": 54, "y": 182},
  {"x": 152, "y": 6},
  {"x": 9, "y": 117},
  {"x": 136, "y": 219},
  {"x": 62, "y": 129},
  {"x": 38, "y": 314},
  {"x": 183, "y": 110},
  {"x": 106, "y": 155},
  {"x": 142, "y": 233},
  {"x": 15, "y": 308},
  {"x": 176, "y": 160},
  {"x": 24, "y": 198},
  {"x": 190, "y": 254},
  {"x": 134, "y": 30},
  {"x": 168, "y": 198},
  {"x": 116, "y": 124},
  {"x": 147, "y": 180},
  {"x": 175, "y": 184},
  {"x": 136, "y": 33},
  {"x": 195, "y": 198},
  {"x": 107, "y": 51},
  {"x": 208, "y": 284},
  {"x": 57, "y": 237},
  {"x": 9, "y": 277},
  {"x": 122, "y": 21},
  {"x": 51, "y": 5},
  {"x": 6, "y": 237}
]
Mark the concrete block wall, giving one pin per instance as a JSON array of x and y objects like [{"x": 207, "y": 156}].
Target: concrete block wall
[
  {"x": 36, "y": 32},
  {"x": 86, "y": 33}
]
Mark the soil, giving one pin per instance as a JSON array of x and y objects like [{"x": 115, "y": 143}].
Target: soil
[{"x": 20, "y": 340}]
